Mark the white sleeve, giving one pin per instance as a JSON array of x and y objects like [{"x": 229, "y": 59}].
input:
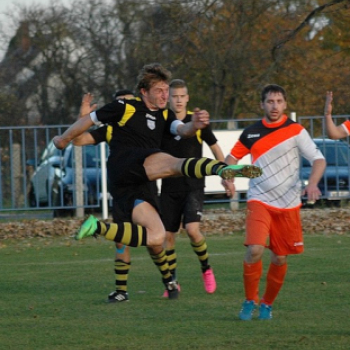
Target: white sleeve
[
  {"x": 345, "y": 128},
  {"x": 308, "y": 148},
  {"x": 94, "y": 119},
  {"x": 174, "y": 125}
]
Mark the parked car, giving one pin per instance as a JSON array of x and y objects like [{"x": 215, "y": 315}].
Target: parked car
[
  {"x": 64, "y": 185},
  {"x": 335, "y": 183},
  {"x": 53, "y": 182},
  {"x": 42, "y": 177}
]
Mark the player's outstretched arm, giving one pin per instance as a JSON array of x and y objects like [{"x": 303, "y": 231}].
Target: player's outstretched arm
[
  {"x": 87, "y": 106},
  {"x": 75, "y": 130},
  {"x": 200, "y": 120},
  {"x": 334, "y": 132}
]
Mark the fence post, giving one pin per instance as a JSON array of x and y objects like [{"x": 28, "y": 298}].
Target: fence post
[
  {"x": 104, "y": 181},
  {"x": 17, "y": 173},
  {"x": 79, "y": 192}
]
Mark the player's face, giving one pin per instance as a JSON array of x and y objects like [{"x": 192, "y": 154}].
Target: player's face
[
  {"x": 274, "y": 106},
  {"x": 157, "y": 96},
  {"x": 178, "y": 99}
]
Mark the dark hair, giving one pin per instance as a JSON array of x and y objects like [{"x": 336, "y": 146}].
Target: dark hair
[
  {"x": 122, "y": 92},
  {"x": 177, "y": 83},
  {"x": 151, "y": 74},
  {"x": 274, "y": 88}
]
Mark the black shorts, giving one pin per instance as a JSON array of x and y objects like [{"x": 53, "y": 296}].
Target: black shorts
[
  {"x": 125, "y": 166},
  {"x": 187, "y": 206},
  {"x": 125, "y": 197},
  {"x": 127, "y": 181}
]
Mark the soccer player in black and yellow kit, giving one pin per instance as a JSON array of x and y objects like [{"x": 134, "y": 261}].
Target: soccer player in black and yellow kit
[
  {"x": 104, "y": 133},
  {"x": 136, "y": 159},
  {"x": 182, "y": 198}
]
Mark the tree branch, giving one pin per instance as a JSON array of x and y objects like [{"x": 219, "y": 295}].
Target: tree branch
[{"x": 306, "y": 21}]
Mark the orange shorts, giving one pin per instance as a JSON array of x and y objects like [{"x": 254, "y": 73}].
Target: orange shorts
[{"x": 278, "y": 229}]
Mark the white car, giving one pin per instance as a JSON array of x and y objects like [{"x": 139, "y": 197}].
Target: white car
[{"x": 42, "y": 178}]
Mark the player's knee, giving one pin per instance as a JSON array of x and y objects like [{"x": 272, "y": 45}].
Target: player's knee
[
  {"x": 155, "y": 249},
  {"x": 155, "y": 237},
  {"x": 254, "y": 253},
  {"x": 279, "y": 260},
  {"x": 195, "y": 235},
  {"x": 170, "y": 239}
]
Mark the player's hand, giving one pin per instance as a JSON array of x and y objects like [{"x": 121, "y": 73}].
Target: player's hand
[
  {"x": 87, "y": 106},
  {"x": 328, "y": 103},
  {"x": 59, "y": 142},
  {"x": 229, "y": 186},
  {"x": 200, "y": 118},
  {"x": 313, "y": 193}
]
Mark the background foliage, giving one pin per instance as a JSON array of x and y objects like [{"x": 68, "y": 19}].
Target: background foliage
[{"x": 226, "y": 50}]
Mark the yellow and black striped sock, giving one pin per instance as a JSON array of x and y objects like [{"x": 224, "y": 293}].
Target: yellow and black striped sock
[
  {"x": 161, "y": 261},
  {"x": 201, "y": 249},
  {"x": 172, "y": 261},
  {"x": 121, "y": 269},
  {"x": 123, "y": 232},
  {"x": 200, "y": 167}
]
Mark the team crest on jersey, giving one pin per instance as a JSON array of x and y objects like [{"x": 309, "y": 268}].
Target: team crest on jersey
[
  {"x": 151, "y": 124},
  {"x": 151, "y": 121}
]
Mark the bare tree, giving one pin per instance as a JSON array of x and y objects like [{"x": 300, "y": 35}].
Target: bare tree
[{"x": 225, "y": 49}]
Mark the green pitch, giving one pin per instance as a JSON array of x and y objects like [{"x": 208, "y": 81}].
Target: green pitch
[{"x": 53, "y": 292}]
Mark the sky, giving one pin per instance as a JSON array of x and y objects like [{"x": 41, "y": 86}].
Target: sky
[{"x": 6, "y": 4}]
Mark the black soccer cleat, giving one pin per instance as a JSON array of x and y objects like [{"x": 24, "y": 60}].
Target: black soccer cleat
[
  {"x": 173, "y": 289},
  {"x": 117, "y": 297}
]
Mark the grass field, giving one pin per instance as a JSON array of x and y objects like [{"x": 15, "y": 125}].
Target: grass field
[{"x": 53, "y": 294}]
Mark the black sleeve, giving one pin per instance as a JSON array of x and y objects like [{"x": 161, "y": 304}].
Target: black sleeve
[
  {"x": 208, "y": 136},
  {"x": 112, "y": 112},
  {"x": 99, "y": 134}
]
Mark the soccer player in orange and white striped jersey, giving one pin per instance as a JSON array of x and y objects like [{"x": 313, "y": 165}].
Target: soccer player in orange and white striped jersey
[
  {"x": 276, "y": 144},
  {"x": 335, "y": 132}
]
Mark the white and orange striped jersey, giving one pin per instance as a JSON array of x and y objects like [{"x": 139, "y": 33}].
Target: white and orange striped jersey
[
  {"x": 276, "y": 148},
  {"x": 346, "y": 126}
]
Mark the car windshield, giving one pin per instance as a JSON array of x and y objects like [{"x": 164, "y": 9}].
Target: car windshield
[{"x": 336, "y": 153}]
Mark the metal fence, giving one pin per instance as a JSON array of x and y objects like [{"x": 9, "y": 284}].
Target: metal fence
[{"x": 34, "y": 174}]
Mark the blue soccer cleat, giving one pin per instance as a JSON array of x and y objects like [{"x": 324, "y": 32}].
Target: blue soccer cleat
[
  {"x": 265, "y": 312},
  {"x": 248, "y": 308}
]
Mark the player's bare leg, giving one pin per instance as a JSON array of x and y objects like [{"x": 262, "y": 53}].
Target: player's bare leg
[{"x": 161, "y": 165}]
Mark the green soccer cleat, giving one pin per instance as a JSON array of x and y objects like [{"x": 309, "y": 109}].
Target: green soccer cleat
[
  {"x": 88, "y": 228},
  {"x": 231, "y": 171}
]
